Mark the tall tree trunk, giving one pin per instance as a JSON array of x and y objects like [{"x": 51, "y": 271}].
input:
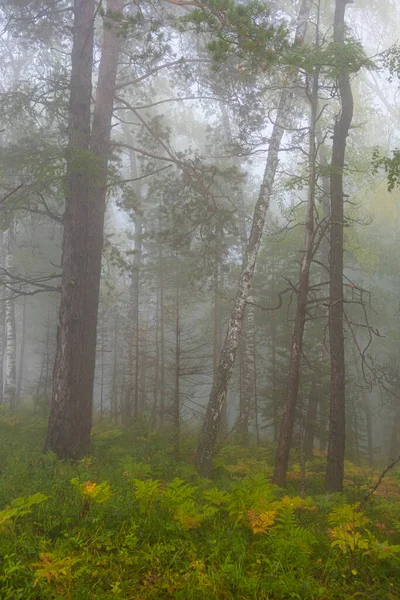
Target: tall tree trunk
[
  {"x": 217, "y": 334},
  {"x": 114, "y": 380},
  {"x": 247, "y": 364},
  {"x": 323, "y": 426},
  {"x": 218, "y": 394},
  {"x": 275, "y": 411},
  {"x": 10, "y": 384},
  {"x": 256, "y": 415},
  {"x": 336, "y": 444},
  {"x": 370, "y": 447},
  {"x": 162, "y": 335},
  {"x": 102, "y": 368},
  {"x": 143, "y": 369},
  {"x": 134, "y": 290},
  {"x": 311, "y": 419},
  {"x": 248, "y": 400},
  {"x": 71, "y": 408},
  {"x": 42, "y": 384},
  {"x": 21, "y": 362},
  {"x": 153, "y": 417},
  {"x": 2, "y": 322},
  {"x": 177, "y": 399},
  {"x": 286, "y": 431},
  {"x": 395, "y": 436}
]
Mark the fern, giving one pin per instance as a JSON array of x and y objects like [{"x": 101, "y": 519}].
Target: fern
[{"x": 21, "y": 507}]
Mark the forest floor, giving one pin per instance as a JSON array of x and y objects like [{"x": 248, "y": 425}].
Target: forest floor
[{"x": 131, "y": 522}]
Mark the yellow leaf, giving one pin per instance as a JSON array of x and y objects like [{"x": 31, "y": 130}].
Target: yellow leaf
[{"x": 261, "y": 522}]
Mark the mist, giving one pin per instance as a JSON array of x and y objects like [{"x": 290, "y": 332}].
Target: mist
[{"x": 199, "y": 242}]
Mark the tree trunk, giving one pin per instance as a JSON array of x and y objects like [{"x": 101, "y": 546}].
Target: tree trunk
[
  {"x": 256, "y": 415},
  {"x": 114, "y": 389},
  {"x": 43, "y": 381},
  {"x": 71, "y": 408},
  {"x": 162, "y": 336},
  {"x": 311, "y": 420},
  {"x": 322, "y": 426},
  {"x": 248, "y": 400},
  {"x": 217, "y": 334},
  {"x": 218, "y": 394},
  {"x": 275, "y": 411},
  {"x": 134, "y": 290},
  {"x": 247, "y": 364},
  {"x": 286, "y": 430},
  {"x": 336, "y": 444},
  {"x": 370, "y": 448},
  {"x": 11, "y": 337},
  {"x": 21, "y": 363},
  {"x": 143, "y": 370},
  {"x": 395, "y": 437},
  {"x": 102, "y": 369},
  {"x": 153, "y": 416},
  {"x": 177, "y": 399},
  {"x": 2, "y": 322}
]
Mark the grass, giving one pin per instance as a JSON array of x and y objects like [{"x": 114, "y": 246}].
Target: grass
[{"x": 130, "y": 522}]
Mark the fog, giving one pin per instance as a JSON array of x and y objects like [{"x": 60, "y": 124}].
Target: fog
[{"x": 194, "y": 111}]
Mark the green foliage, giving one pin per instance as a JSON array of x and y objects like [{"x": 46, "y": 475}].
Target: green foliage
[
  {"x": 179, "y": 536},
  {"x": 20, "y": 507},
  {"x": 391, "y": 166},
  {"x": 245, "y": 31}
]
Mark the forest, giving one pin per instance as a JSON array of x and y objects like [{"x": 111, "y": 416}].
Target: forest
[{"x": 199, "y": 299}]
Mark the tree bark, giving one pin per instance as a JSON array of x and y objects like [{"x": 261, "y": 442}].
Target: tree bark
[
  {"x": 10, "y": 384},
  {"x": 286, "y": 431},
  {"x": 395, "y": 435},
  {"x": 2, "y": 323},
  {"x": 177, "y": 398},
  {"x": 247, "y": 354},
  {"x": 134, "y": 289},
  {"x": 21, "y": 362},
  {"x": 153, "y": 416},
  {"x": 370, "y": 447},
  {"x": 114, "y": 381},
  {"x": 162, "y": 333},
  {"x": 102, "y": 367},
  {"x": 71, "y": 408},
  {"x": 218, "y": 394},
  {"x": 217, "y": 335},
  {"x": 336, "y": 443},
  {"x": 275, "y": 411},
  {"x": 311, "y": 420}
]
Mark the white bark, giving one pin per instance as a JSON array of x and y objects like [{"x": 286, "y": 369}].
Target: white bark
[
  {"x": 10, "y": 383},
  {"x": 2, "y": 322},
  {"x": 212, "y": 419}
]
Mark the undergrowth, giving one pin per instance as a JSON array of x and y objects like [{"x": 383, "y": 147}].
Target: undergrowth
[{"x": 130, "y": 522}]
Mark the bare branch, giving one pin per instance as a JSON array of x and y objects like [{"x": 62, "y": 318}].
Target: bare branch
[{"x": 378, "y": 483}]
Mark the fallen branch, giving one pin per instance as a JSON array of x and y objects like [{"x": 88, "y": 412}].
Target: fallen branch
[{"x": 378, "y": 483}]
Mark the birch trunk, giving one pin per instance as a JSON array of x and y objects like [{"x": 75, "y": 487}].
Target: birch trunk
[
  {"x": 218, "y": 394},
  {"x": 10, "y": 383},
  {"x": 247, "y": 354},
  {"x": 2, "y": 322},
  {"x": 71, "y": 408},
  {"x": 336, "y": 443}
]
